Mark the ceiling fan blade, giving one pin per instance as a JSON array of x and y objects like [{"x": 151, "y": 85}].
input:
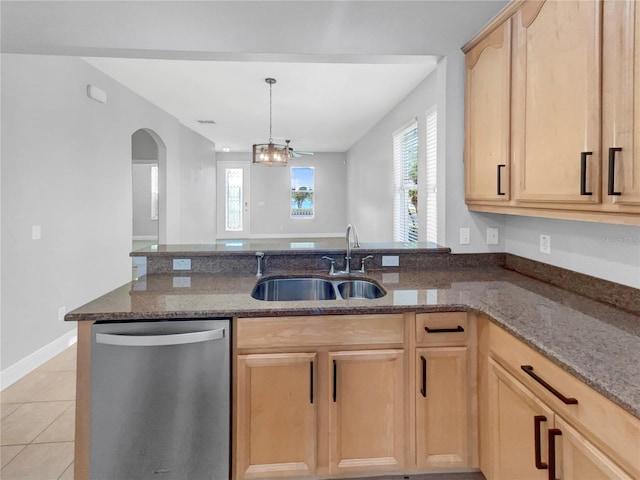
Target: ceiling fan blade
[{"x": 303, "y": 153}]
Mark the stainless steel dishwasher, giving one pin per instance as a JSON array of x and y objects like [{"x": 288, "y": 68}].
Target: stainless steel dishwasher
[{"x": 160, "y": 400}]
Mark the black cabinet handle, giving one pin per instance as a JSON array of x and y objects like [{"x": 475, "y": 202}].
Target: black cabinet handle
[
  {"x": 311, "y": 381},
  {"x": 612, "y": 171},
  {"x": 528, "y": 369},
  {"x": 537, "y": 420},
  {"x": 335, "y": 385},
  {"x": 583, "y": 173},
  {"x": 423, "y": 390},
  {"x": 553, "y": 433},
  {"x": 500, "y": 167},
  {"x": 444, "y": 330}
]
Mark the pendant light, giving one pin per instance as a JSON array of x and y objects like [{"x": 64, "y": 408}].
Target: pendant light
[{"x": 270, "y": 154}]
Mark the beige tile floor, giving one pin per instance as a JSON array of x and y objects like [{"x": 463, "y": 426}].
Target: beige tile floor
[{"x": 37, "y": 423}]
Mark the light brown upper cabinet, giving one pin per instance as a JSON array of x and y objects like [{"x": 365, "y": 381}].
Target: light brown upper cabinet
[
  {"x": 572, "y": 124},
  {"x": 621, "y": 101},
  {"x": 556, "y": 102},
  {"x": 488, "y": 96}
]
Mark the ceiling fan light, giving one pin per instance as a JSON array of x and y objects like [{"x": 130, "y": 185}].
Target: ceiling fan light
[{"x": 270, "y": 154}]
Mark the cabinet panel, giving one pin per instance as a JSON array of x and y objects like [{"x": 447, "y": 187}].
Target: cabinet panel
[
  {"x": 557, "y": 99},
  {"x": 367, "y": 411},
  {"x": 276, "y": 415},
  {"x": 487, "y": 109},
  {"x": 578, "y": 459},
  {"x": 512, "y": 412},
  {"x": 442, "y": 407},
  {"x": 621, "y": 105}
]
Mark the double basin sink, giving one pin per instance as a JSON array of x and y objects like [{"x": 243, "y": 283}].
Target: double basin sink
[{"x": 310, "y": 288}]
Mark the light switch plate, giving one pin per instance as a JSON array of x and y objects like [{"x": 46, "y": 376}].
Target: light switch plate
[
  {"x": 465, "y": 236},
  {"x": 61, "y": 313},
  {"x": 182, "y": 264},
  {"x": 36, "y": 232}
]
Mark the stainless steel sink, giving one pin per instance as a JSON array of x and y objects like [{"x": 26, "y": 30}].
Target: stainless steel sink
[
  {"x": 359, "y": 289},
  {"x": 309, "y": 288},
  {"x": 292, "y": 289}
]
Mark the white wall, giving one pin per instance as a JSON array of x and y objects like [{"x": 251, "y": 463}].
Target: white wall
[
  {"x": 66, "y": 166},
  {"x": 198, "y": 187},
  {"x": 605, "y": 251},
  {"x": 370, "y": 164},
  {"x": 143, "y": 225},
  {"x": 270, "y": 196}
]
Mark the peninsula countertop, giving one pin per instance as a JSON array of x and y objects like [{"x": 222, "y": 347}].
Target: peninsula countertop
[{"x": 597, "y": 343}]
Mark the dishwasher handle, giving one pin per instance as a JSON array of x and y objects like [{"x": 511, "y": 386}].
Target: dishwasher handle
[{"x": 159, "y": 340}]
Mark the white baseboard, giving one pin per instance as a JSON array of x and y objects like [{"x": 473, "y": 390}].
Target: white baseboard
[
  {"x": 15, "y": 372},
  {"x": 145, "y": 237}
]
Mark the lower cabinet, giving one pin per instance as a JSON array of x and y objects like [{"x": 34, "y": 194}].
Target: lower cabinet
[
  {"x": 366, "y": 414},
  {"x": 276, "y": 411},
  {"x": 518, "y": 428},
  {"x": 578, "y": 459},
  {"x": 442, "y": 407},
  {"x": 542, "y": 423}
]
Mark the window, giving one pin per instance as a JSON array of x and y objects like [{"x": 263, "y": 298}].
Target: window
[
  {"x": 405, "y": 180},
  {"x": 233, "y": 200},
  {"x": 302, "y": 201},
  {"x": 154, "y": 192},
  {"x": 432, "y": 173}
]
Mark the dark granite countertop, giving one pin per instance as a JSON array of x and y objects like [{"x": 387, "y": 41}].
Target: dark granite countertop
[
  {"x": 283, "y": 246},
  {"x": 595, "y": 342}
]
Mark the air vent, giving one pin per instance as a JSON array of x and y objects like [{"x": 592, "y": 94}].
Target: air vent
[{"x": 207, "y": 122}]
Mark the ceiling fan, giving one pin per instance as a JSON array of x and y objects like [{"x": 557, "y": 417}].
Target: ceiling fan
[{"x": 295, "y": 153}]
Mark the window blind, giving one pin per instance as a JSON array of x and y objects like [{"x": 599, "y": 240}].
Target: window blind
[
  {"x": 405, "y": 181},
  {"x": 432, "y": 175}
]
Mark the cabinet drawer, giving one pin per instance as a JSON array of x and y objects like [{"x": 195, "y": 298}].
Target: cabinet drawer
[
  {"x": 450, "y": 328},
  {"x": 326, "y": 330},
  {"x": 604, "y": 423}
]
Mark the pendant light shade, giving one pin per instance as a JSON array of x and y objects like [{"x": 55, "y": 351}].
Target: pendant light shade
[{"x": 270, "y": 154}]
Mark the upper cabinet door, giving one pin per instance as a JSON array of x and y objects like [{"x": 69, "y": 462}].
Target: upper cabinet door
[
  {"x": 556, "y": 102},
  {"x": 621, "y": 106},
  {"x": 488, "y": 95}
]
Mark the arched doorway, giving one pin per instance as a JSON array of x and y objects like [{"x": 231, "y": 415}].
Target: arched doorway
[{"x": 148, "y": 158}]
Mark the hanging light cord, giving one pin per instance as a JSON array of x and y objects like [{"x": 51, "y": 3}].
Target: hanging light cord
[{"x": 270, "y": 111}]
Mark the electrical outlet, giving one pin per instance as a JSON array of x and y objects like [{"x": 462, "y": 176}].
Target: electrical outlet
[
  {"x": 182, "y": 264},
  {"x": 465, "y": 236},
  {"x": 61, "y": 313},
  {"x": 492, "y": 235},
  {"x": 390, "y": 261},
  {"x": 545, "y": 244},
  {"x": 181, "y": 282}
]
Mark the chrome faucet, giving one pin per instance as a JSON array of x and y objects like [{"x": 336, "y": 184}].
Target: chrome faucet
[
  {"x": 356, "y": 244},
  {"x": 259, "y": 257}
]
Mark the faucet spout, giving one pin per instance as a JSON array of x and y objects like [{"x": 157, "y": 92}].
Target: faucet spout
[{"x": 356, "y": 244}]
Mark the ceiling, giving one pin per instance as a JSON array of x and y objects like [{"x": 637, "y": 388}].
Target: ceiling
[{"x": 340, "y": 66}]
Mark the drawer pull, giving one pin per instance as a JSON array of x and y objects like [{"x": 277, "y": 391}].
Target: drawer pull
[
  {"x": 553, "y": 432},
  {"x": 528, "y": 369},
  {"x": 537, "y": 420},
  {"x": 311, "y": 381},
  {"x": 423, "y": 390},
  {"x": 612, "y": 171},
  {"x": 583, "y": 173},
  {"x": 444, "y": 330},
  {"x": 500, "y": 167},
  {"x": 335, "y": 385}
]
